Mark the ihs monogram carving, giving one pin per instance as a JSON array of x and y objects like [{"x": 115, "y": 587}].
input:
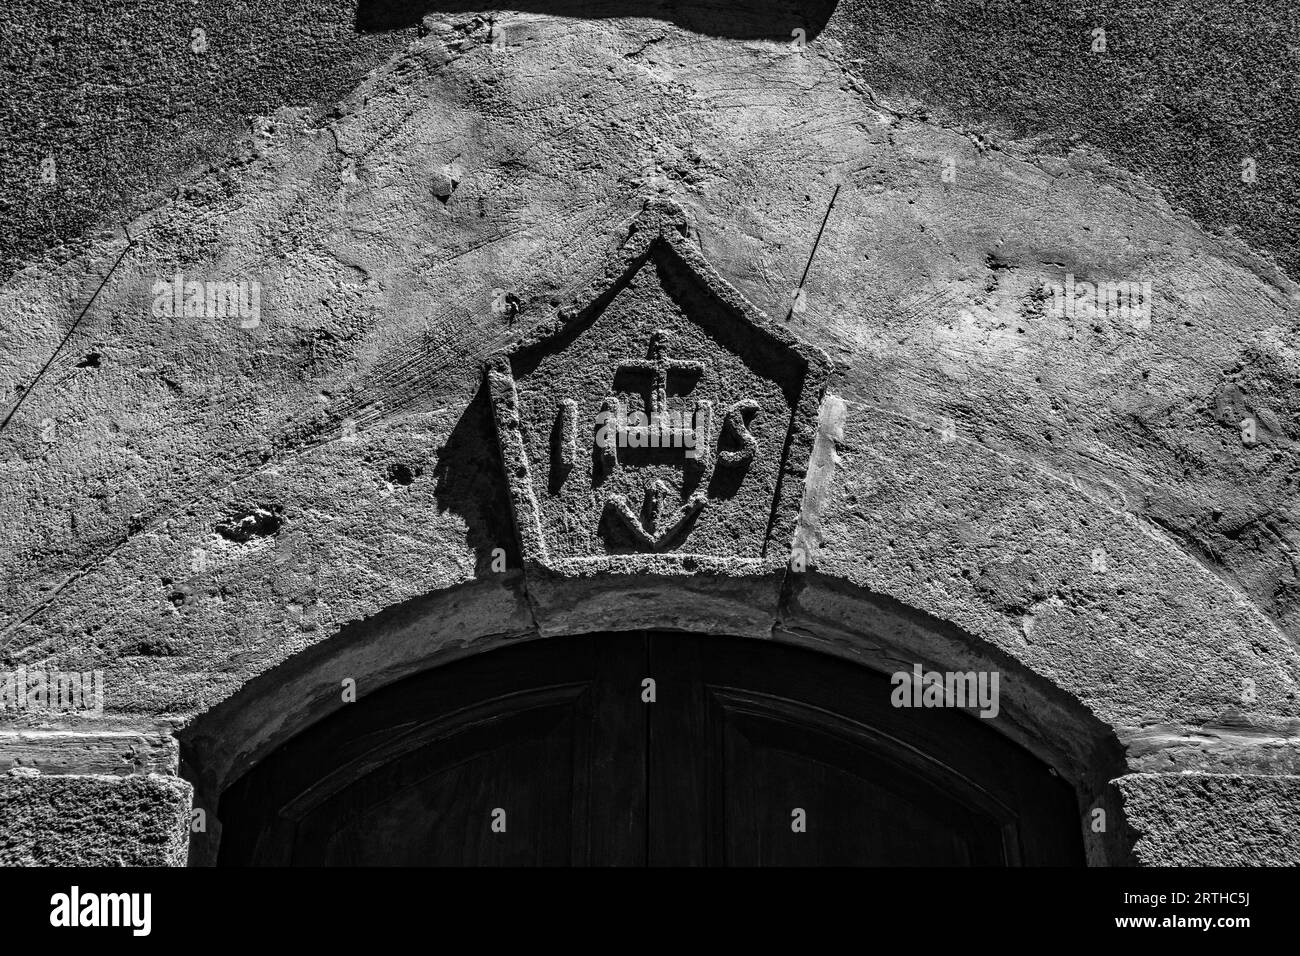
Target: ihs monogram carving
[
  {"x": 661, "y": 419},
  {"x": 687, "y": 429}
]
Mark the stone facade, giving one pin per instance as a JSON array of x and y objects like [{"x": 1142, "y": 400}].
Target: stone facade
[{"x": 331, "y": 418}]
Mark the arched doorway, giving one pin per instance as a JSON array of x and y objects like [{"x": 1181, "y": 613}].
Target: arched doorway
[{"x": 548, "y": 753}]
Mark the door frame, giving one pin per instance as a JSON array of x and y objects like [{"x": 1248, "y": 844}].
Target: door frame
[{"x": 820, "y": 613}]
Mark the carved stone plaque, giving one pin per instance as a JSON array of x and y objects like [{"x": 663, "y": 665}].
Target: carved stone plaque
[{"x": 662, "y": 423}]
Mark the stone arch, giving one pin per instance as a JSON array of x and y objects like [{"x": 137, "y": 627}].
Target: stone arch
[{"x": 230, "y": 738}]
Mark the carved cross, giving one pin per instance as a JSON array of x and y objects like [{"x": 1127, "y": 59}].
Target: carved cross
[{"x": 658, "y": 366}]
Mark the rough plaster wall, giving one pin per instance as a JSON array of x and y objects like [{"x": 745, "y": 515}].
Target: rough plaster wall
[
  {"x": 1181, "y": 94},
  {"x": 93, "y": 820},
  {"x": 482, "y": 171},
  {"x": 1212, "y": 819},
  {"x": 118, "y": 96}
]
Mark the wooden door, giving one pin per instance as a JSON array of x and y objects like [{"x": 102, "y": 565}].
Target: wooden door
[
  {"x": 548, "y": 754},
  {"x": 748, "y": 740}
]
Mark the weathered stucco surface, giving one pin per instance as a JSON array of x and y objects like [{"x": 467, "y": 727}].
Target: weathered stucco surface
[
  {"x": 94, "y": 820},
  {"x": 1182, "y": 93},
  {"x": 1213, "y": 819},
  {"x": 193, "y": 503}
]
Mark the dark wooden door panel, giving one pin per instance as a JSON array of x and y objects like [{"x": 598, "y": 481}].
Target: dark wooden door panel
[
  {"x": 610, "y": 814},
  {"x": 555, "y": 735},
  {"x": 744, "y": 735},
  {"x": 552, "y": 733},
  {"x": 437, "y": 806},
  {"x": 855, "y": 805}
]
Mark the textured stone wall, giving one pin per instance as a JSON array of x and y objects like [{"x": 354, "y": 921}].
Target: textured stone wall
[
  {"x": 94, "y": 820},
  {"x": 196, "y": 500},
  {"x": 1213, "y": 819}
]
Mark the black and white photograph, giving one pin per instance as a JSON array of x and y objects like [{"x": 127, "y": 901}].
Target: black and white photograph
[{"x": 643, "y": 434}]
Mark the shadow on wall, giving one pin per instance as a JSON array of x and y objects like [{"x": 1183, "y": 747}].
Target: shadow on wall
[
  {"x": 470, "y": 482},
  {"x": 738, "y": 19}
]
